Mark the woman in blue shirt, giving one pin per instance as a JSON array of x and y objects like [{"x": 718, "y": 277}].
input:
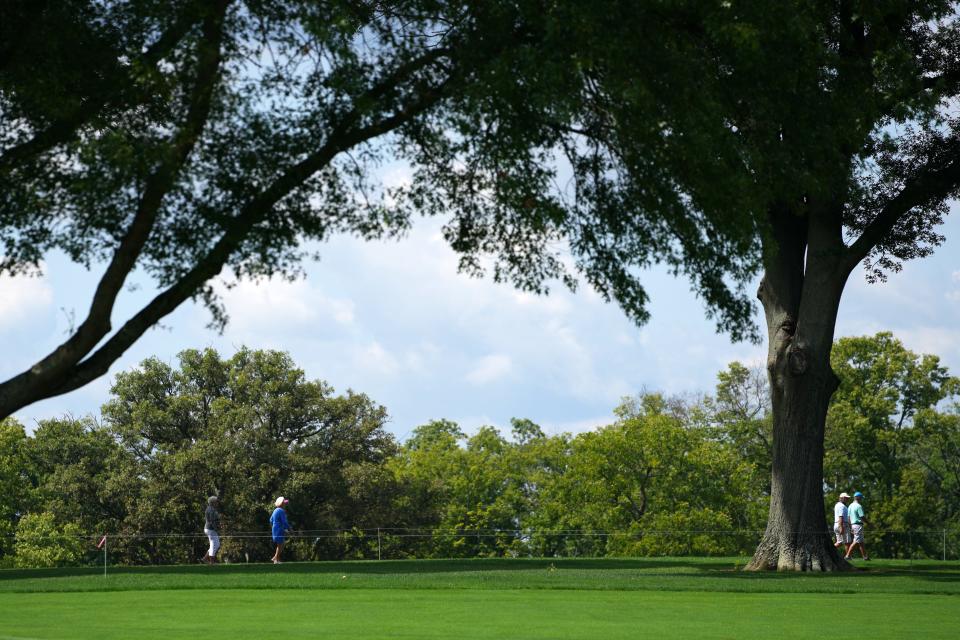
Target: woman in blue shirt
[{"x": 279, "y": 526}]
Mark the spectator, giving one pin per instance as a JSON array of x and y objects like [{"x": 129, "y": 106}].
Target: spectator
[
  {"x": 279, "y": 527},
  {"x": 857, "y": 522},
  {"x": 211, "y": 527},
  {"x": 841, "y": 522}
]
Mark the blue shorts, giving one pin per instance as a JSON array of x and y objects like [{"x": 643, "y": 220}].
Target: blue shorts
[{"x": 279, "y": 539}]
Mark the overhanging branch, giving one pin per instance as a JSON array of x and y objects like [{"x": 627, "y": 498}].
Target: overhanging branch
[
  {"x": 20, "y": 389},
  {"x": 66, "y": 128},
  {"x": 928, "y": 185},
  {"x": 343, "y": 137}
]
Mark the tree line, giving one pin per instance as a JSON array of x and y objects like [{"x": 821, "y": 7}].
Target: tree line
[{"x": 672, "y": 475}]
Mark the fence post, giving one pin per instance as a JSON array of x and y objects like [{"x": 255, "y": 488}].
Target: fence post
[{"x": 378, "y": 544}]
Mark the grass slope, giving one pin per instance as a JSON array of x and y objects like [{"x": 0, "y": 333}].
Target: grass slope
[{"x": 661, "y": 598}]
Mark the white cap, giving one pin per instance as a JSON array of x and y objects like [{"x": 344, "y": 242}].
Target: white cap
[
  {"x": 282, "y": 501},
  {"x": 842, "y": 495}
]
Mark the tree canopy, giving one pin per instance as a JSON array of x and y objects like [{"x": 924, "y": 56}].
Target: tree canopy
[{"x": 191, "y": 140}]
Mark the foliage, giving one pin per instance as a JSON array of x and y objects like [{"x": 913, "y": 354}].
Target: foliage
[
  {"x": 873, "y": 435},
  {"x": 247, "y": 429},
  {"x": 203, "y": 138},
  {"x": 14, "y": 483},
  {"x": 742, "y": 415},
  {"x": 937, "y": 450},
  {"x": 43, "y": 542},
  {"x": 80, "y": 473},
  {"x": 671, "y": 475}
]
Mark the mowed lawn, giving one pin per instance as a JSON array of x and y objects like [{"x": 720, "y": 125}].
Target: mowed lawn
[{"x": 644, "y": 598}]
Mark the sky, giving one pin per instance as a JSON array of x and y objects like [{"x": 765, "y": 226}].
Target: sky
[{"x": 396, "y": 321}]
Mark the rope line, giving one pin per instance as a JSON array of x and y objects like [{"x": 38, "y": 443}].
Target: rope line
[{"x": 398, "y": 532}]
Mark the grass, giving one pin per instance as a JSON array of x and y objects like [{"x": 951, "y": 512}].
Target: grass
[{"x": 608, "y": 598}]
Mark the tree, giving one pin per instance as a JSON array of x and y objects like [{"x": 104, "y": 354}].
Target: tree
[
  {"x": 429, "y": 469},
  {"x": 722, "y": 139},
  {"x": 247, "y": 428},
  {"x": 15, "y": 485},
  {"x": 180, "y": 140},
  {"x": 80, "y": 474},
  {"x": 740, "y": 411},
  {"x": 882, "y": 426},
  {"x": 883, "y": 388},
  {"x": 656, "y": 484},
  {"x": 937, "y": 450},
  {"x": 44, "y": 542}
]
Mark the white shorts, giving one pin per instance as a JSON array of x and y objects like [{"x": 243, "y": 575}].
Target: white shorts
[
  {"x": 858, "y": 533},
  {"x": 842, "y": 538},
  {"x": 214, "y": 542}
]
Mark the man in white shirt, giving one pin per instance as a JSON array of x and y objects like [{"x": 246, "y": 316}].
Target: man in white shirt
[{"x": 841, "y": 522}]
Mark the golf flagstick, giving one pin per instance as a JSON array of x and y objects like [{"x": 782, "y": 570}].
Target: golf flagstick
[{"x": 103, "y": 543}]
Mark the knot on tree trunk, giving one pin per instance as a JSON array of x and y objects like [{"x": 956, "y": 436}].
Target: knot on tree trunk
[
  {"x": 788, "y": 326},
  {"x": 797, "y": 360}
]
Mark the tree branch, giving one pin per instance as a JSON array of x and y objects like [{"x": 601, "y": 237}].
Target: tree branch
[
  {"x": 67, "y": 127},
  {"x": 97, "y": 323},
  {"x": 928, "y": 185},
  {"x": 343, "y": 138}
]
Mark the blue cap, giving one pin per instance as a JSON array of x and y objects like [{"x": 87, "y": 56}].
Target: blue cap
[{"x": 857, "y": 494}]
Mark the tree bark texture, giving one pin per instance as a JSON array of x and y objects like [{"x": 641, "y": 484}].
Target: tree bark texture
[{"x": 800, "y": 292}]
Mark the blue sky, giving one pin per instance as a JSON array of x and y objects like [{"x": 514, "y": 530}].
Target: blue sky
[{"x": 395, "y": 320}]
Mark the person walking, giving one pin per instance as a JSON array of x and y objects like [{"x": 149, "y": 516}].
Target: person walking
[
  {"x": 841, "y": 522},
  {"x": 279, "y": 527},
  {"x": 211, "y": 527},
  {"x": 857, "y": 521}
]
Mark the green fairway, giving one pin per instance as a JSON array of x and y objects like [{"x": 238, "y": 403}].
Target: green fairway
[{"x": 659, "y": 598}]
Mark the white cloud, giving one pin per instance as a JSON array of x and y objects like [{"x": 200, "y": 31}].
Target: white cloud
[
  {"x": 578, "y": 426},
  {"x": 573, "y": 362},
  {"x": 276, "y": 305},
  {"x": 954, "y": 296},
  {"x": 554, "y": 304},
  {"x": 421, "y": 357},
  {"x": 490, "y": 369},
  {"x": 373, "y": 358},
  {"x": 930, "y": 340},
  {"x": 21, "y": 297}
]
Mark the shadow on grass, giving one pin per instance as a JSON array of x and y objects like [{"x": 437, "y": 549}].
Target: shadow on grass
[{"x": 720, "y": 568}]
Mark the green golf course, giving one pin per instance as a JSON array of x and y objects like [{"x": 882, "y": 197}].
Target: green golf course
[{"x": 578, "y": 598}]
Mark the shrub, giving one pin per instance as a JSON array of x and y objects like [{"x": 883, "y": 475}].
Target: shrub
[{"x": 42, "y": 542}]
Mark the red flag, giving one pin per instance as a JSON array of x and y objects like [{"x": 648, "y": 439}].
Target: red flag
[{"x": 102, "y": 542}]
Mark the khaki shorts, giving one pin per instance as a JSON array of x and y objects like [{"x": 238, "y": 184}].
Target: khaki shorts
[{"x": 842, "y": 538}]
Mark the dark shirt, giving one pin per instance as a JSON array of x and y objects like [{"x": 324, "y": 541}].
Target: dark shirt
[{"x": 211, "y": 518}]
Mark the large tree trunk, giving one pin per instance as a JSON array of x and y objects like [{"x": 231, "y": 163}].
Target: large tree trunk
[
  {"x": 797, "y": 537},
  {"x": 800, "y": 293}
]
